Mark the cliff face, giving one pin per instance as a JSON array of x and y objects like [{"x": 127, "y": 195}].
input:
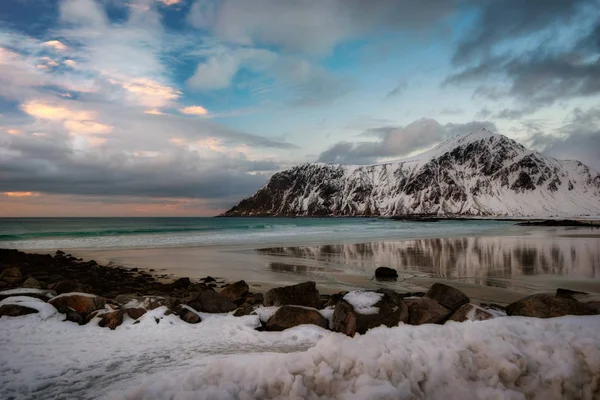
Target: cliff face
[{"x": 477, "y": 174}]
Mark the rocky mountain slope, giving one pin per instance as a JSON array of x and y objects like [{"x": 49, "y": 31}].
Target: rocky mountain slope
[{"x": 477, "y": 174}]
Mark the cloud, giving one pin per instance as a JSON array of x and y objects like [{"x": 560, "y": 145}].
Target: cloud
[
  {"x": 20, "y": 194},
  {"x": 194, "y": 110},
  {"x": 310, "y": 26},
  {"x": 56, "y": 45},
  {"x": 396, "y": 91},
  {"x": 536, "y": 57},
  {"x": 397, "y": 141},
  {"x": 578, "y": 139},
  {"x": 216, "y": 73},
  {"x": 170, "y": 2}
]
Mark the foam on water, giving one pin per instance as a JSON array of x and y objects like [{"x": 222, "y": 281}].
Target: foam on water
[{"x": 51, "y": 233}]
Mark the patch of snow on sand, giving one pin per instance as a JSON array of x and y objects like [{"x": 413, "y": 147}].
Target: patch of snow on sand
[{"x": 363, "y": 301}]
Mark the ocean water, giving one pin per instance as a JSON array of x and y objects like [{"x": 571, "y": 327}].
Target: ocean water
[{"x": 100, "y": 233}]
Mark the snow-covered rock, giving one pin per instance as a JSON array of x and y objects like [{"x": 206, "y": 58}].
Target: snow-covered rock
[{"x": 477, "y": 174}]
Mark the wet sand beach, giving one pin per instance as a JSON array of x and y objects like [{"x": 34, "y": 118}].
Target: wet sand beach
[{"x": 497, "y": 269}]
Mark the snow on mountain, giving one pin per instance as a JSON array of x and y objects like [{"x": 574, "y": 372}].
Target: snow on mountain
[{"x": 476, "y": 174}]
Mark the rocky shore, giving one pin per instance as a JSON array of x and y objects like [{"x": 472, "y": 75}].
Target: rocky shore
[{"x": 86, "y": 293}]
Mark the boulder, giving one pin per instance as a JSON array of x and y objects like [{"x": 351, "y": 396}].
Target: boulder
[
  {"x": 302, "y": 294},
  {"x": 82, "y": 303},
  {"x": 470, "y": 312},
  {"x": 570, "y": 294},
  {"x": 210, "y": 302},
  {"x": 71, "y": 315},
  {"x": 289, "y": 316},
  {"x": 386, "y": 273},
  {"x": 548, "y": 306},
  {"x": 427, "y": 311},
  {"x": 447, "y": 296},
  {"x": 147, "y": 302},
  {"x": 255, "y": 298},
  {"x": 244, "y": 309},
  {"x": 391, "y": 312},
  {"x": 135, "y": 313},
  {"x": 181, "y": 283},
  {"x": 11, "y": 275},
  {"x": 68, "y": 287},
  {"x": 235, "y": 291},
  {"x": 15, "y": 310},
  {"x": 335, "y": 298},
  {"x": 32, "y": 283},
  {"x": 189, "y": 316},
  {"x": 111, "y": 319}
]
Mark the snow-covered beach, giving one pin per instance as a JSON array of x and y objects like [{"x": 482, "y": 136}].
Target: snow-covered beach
[{"x": 224, "y": 357}]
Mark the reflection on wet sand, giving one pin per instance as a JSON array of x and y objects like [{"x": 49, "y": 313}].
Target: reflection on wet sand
[{"x": 481, "y": 259}]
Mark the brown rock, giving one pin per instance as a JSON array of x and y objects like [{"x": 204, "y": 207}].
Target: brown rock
[
  {"x": 302, "y": 294},
  {"x": 427, "y": 311},
  {"x": 190, "y": 317},
  {"x": 470, "y": 312},
  {"x": 11, "y": 275},
  {"x": 15, "y": 310},
  {"x": 548, "y": 306},
  {"x": 68, "y": 287},
  {"x": 447, "y": 296},
  {"x": 347, "y": 320},
  {"x": 244, "y": 309},
  {"x": 211, "y": 302},
  {"x": 82, "y": 304},
  {"x": 181, "y": 283},
  {"x": 235, "y": 291},
  {"x": 111, "y": 319},
  {"x": 385, "y": 273},
  {"x": 255, "y": 298},
  {"x": 135, "y": 313},
  {"x": 32, "y": 283},
  {"x": 289, "y": 316}
]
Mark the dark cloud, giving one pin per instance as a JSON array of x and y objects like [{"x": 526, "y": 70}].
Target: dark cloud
[
  {"x": 312, "y": 25},
  {"x": 50, "y": 166},
  {"x": 503, "y": 20},
  {"x": 397, "y": 141},
  {"x": 534, "y": 76}
]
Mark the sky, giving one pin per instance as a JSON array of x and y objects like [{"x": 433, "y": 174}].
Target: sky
[{"x": 184, "y": 107}]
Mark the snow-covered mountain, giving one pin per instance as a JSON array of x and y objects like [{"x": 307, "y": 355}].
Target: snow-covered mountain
[{"x": 476, "y": 174}]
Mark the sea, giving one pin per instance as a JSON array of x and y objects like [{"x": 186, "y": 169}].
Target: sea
[{"x": 102, "y": 233}]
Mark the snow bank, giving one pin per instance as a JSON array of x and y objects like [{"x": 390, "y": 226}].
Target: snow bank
[
  {"x": 26, "y": 291},
  {"x": 505, "y": 358},
  {"x": 44, "y": 309},
  {"x": 363, "y": 301}
]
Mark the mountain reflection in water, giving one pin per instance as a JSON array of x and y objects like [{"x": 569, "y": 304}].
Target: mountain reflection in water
[{"x": 471, "y": 257}]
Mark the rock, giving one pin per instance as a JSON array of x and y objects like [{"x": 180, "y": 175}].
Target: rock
[
  {"x": 71, "y": 315},
  {"x": 289, "y": 316},
  {"x": 386, "y": 273},
  {"x": 111, "y": 319},
  {"x": 181, "y": 283},
  {"x": 211, "y": 302},
  {"x": 245, "y": 309},
  {"x": 235, "y": 291},
  {"x": 60, "y": 253},
  {"x": 347, "y": 320},
  {"x": 147, "y": 302},
  {"x": 82, "y": 303},
  {"x": 548, "y": 306},
  {"x": 470, "y": 312},
  {"x": 594, "y": 305},
  {"x": 447, "y": 296},
  {"x": 209, "y": 279},
  {"x": 135, "y": 313},
  {"x": 335, "y": 298},
  {"x": 15, "y": 310},
  {"x": 44, "y": 295},
  {"x": 428, "y": 311},
  {"x": 570, "y": 294},
  {"x": 255, "y": 298},
  {"x": 11, "y": 275},
  {"x": 68, "y": 287},
  {"x": 302, "y": 294},
  {"x": 32, "y": 283},
  {"x": 190, "y": 317}
]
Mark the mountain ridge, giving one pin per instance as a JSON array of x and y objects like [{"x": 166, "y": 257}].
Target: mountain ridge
[{"x": 480, "y": 173}]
